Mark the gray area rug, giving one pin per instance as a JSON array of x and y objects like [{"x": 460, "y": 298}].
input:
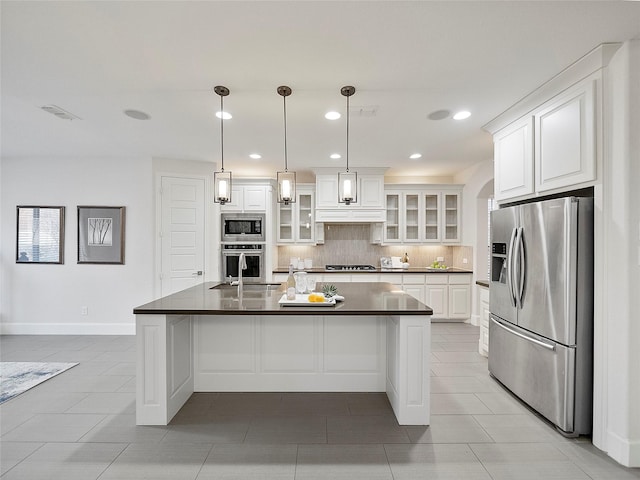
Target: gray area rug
[{"x": 18, "y": 377}]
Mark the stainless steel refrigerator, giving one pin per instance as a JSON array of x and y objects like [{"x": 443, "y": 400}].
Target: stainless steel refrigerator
[{"x": 541, "y": 302}]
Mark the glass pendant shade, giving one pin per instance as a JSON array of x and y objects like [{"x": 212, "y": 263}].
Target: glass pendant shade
[
  {"x": 348, "y": 187},
  {"x": 286, "y": 187},
  {"x": 222, "y": 187}
]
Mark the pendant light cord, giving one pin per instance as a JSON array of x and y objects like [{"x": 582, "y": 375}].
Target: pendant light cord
[
  {"x": 222, "y": 132},
  {"x": 284, "y": 102},
  {"x": 348, "y": 133}
]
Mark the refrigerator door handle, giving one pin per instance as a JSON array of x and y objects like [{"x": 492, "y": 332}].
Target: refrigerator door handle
[
  {"x": 548, "y": 346},
  {"x": 520, "y": 265},
  {"x": 510, "y": 275}
]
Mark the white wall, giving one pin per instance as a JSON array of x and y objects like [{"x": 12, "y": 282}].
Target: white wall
[
  {"x": 47, "y": 299},
  {"x": 617, "y": 330},
  {"x": 474, "y": 222}
]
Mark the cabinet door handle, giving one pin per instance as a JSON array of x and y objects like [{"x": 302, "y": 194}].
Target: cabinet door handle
[{"x": 197, "y": 274}]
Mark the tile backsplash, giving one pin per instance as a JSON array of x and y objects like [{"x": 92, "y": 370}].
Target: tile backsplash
[{"x": 351, "y": 244}]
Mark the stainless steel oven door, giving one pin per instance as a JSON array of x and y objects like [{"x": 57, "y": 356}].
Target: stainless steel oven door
[{"x": 255, "y": 265}]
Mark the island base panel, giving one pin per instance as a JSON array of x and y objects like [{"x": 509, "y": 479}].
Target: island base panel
[
  {"x": 314, "y": 353},
  {"x": 164, "y": 370},
  {"x": 408, "y": 368},
  {"x": 178, "y": 355}
]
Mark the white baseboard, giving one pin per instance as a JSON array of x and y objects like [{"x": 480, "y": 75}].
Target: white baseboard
[
  {"x": 475, "y": 320},
  {"x": 623, "y": 450},
  {"x": 67, "y": 328}
]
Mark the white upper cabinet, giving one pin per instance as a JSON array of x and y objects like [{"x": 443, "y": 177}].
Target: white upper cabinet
[
  {"x": 551, "y": 141},
  {"x": 296, "y": 221},
  {"x": 327, "y": 191},
  {"x": 565, "y": 139},
  {"x": 369, "y": 207},
  {"x": 451, "y": 211},
  {"x": 247, "y": 198},
  {"x": 391, "y": 231},
  {"x": 513, "y": 160},
  {"x": 370, "y": 192},
  {"x": 423, "y": 215}
]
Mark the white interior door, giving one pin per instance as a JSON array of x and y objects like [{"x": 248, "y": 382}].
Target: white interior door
[{"x": 182, "y": 233}]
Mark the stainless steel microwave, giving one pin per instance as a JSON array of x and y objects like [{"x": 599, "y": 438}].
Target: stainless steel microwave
[{"x": 243, "y": 227}]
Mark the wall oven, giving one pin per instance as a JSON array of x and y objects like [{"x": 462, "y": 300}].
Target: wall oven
[
  {"x": 243, "y": 227},
  {"x": 254, "y": 255}
]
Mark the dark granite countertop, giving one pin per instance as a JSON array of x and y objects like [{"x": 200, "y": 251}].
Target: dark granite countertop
[
  {"x": 380, "y": 270},
  {"x": 376, "y": 298},
  {"x": 482, "y": 283}
]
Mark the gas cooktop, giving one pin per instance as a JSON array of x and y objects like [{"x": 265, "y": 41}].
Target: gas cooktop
[{"x": 349, "y": 267}]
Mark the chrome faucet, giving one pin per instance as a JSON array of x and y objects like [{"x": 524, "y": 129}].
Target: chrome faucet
[{"x": 242, "y": 265}]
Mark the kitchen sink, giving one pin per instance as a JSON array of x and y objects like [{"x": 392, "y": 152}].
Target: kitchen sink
[{"x": 249, "y": 286}]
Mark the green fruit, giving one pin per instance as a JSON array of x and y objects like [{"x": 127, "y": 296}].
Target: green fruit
[{"x": 329, "y": 290}]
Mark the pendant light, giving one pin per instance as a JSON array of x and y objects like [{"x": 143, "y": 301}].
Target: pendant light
[
  {"x": 286, "y": 180},
  {"x": 347, "y": 181},
  {"x": 221, "y": 179}
]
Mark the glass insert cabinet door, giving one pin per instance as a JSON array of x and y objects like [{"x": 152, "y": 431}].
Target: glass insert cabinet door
[
  {"x": 432, "y": 217},
  {"x": 305, "y": 217},
  {"x": 39, "y": 234},
  {"x": 392, "y": 224}
]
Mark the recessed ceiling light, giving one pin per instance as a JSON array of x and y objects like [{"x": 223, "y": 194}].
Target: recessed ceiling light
[
  {"x": 224, "y": 115},
  {"x": 137, "y": 114},
  {"x": 335, "y": 156},
  {"x": 332, "y": 115},
  {"x": 462, "y": 115},
  {"x": 413, "y": 156},
  {"x": 439, "y": 115},
  {"x": 255, "y": 156}
]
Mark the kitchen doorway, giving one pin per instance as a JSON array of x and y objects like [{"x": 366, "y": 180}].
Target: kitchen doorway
[{"x": 181, "y": 233}]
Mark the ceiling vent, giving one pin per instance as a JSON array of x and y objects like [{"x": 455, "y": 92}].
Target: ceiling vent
[
  {"x": 364, "y": 111},
  {"x": 59, "y": 112}
]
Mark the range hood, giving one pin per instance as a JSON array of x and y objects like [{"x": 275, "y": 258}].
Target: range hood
[
  {"x": 369, "y": 207},
  {"x": 352, "y": 215}
]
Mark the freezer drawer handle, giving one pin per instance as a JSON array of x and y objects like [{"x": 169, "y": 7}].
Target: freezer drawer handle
[{"x": 525, "y": 337}]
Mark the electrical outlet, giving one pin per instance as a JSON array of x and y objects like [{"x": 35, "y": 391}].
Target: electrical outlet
[
  {"x": 84, "y": 310},
  {"x": 464, "y": 260},
  {"x": 440, "y": 259}
]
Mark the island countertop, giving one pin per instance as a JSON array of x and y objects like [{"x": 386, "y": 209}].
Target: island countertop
[{"x": 376, "y": 298}]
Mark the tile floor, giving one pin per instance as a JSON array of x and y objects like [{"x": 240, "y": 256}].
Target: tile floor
[{"x": 81, "y": 425}]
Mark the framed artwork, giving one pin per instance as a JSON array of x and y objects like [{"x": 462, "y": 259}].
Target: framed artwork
[
  {"x": 101, "y": 235},
  {"x": 39, "y": 234}
]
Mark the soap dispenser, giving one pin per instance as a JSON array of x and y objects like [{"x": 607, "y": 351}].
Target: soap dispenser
[{"x": 405, "y": 260}]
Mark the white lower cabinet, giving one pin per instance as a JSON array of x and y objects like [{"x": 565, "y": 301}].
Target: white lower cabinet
[
  {"x": 459, "y": 296},
  {"x": 437, "y": 299},
  {"x": 449, "y": 295},
  {"x": 414, "y": 285},
  {"x": 459, "y": 301},
  {"x": 483, "y": 347}
]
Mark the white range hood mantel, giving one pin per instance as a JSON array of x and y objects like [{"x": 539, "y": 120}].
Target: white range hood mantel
[{"x": 369, "y": 207}]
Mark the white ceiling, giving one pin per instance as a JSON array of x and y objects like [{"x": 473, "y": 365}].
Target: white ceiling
[{"x": 406, "y": 59}]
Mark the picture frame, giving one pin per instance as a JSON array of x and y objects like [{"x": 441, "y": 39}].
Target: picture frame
[
  {"x": 101, "y": 235},
  {"x": 39, "y": 234}
]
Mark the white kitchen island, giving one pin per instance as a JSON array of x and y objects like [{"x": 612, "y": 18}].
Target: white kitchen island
[{"x": 209, "y": 339}]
